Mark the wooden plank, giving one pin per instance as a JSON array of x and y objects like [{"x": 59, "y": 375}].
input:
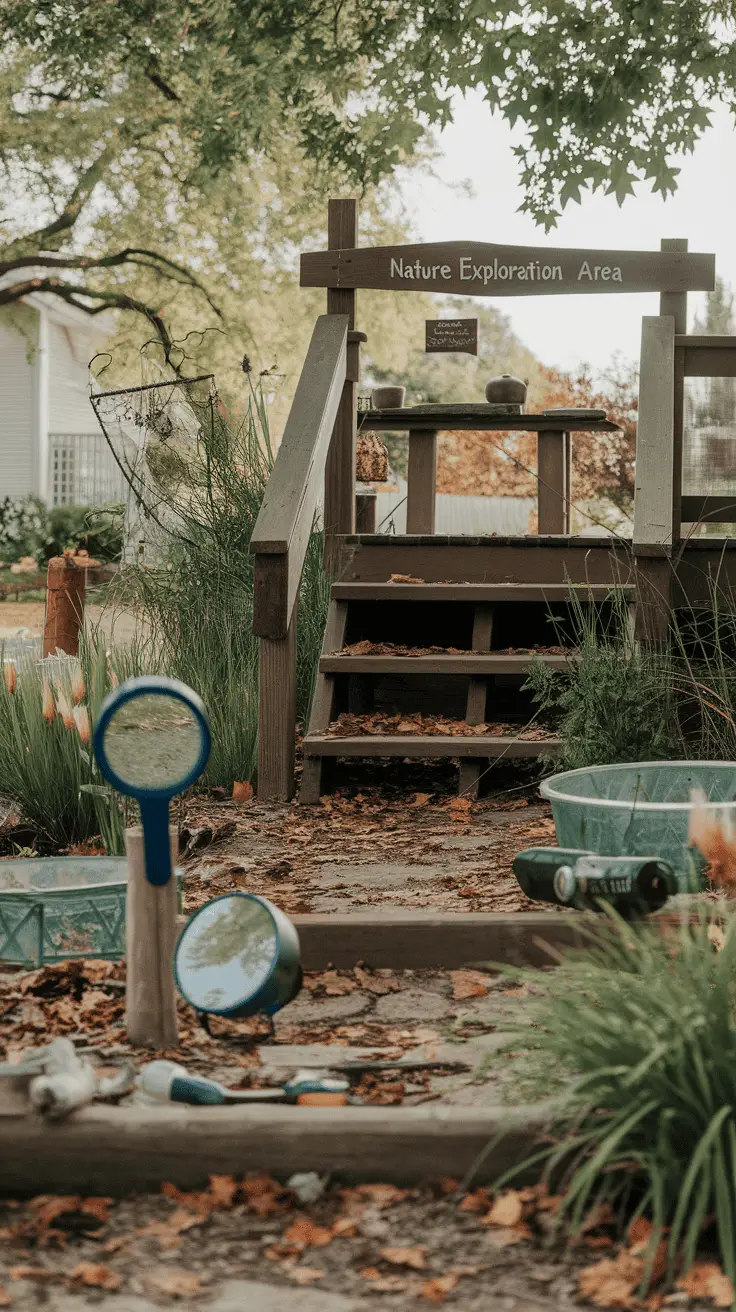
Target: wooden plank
[
  {"x": 150, "y": 939},
  {"x": 475, "y": 708},
  {"x": 485, "y": 269},
  {"x": 339, "y": 485},
  {"x": 719, "y": 510},
  {"x": 293, "y": 490},
  {"x": 323, "y": 701},
  {"x": 708, "y": 361},
  {"x": 673, "y": 302},
  {"x": 421, "y": 746},
  {"x": 465, "y": 664},
  {"x": 421, "y": 940},
  {"x": 474, "y": 561},
  {"x": 277, "y": 715},
  {"x": 365, "y": 512},
  {"x": 473, "y": 592},
  {"x": 119, "y": 1151},
  {"x": 406, "y": 420},
  {"x": 421, "y": 481},
  {"x": 553, "y": 482},
  {"x": 653, "y": 498},
  {"x": 654, "y": 599}
]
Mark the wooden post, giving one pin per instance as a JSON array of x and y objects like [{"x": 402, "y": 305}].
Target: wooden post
[
  {"x": 655, "y": 478},
  {"x": 470, "y": 770},
  {"x": 554, "y": 458},
  {"x": 675, "y": 304},
  {"x": 151, "y": 934},
  {"x": 365, "y": 512},
  {"x": 65, "y": 588},
  {"x": 421, "y": 481},
  {"x": 339, "y": 503},
  {"x": 277, "y": 715}
]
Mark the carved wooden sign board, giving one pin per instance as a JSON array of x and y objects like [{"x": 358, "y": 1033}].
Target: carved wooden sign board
[
  {"x": 451, "y": 335},
  {"x": 480, "y": 269}
]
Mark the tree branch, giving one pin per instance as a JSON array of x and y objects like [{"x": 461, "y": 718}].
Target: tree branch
[
  {"x": 52, "y": 234},
  {"x": 137, "y": 255},
  {"x": 106, "y": 301}
]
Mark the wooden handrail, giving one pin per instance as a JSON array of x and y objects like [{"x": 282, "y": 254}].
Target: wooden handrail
[{"x": 294, "y": 488}]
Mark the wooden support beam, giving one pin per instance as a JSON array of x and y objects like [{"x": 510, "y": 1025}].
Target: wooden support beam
[
  {"x": 323, "y": 701},
  {"x": 421, "y": 481},
  {"x": 365, "y": 512},
  {"x": 151, "y": 932},
  {"x": 656, "y": 486},
  {"x": 675, "y": 304},
  {"x": 475, "y": 713},
  {"x": 339, "y": 499},
  {"x": 554, "y": 456},
  {"x": 277, "y": 715}
]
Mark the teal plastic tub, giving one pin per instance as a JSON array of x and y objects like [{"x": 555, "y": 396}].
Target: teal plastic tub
[
  {"x": 640, "y": 809},
  {"x": 52, "y": 908}
]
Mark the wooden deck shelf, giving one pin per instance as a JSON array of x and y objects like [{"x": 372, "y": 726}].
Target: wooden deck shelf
[
  {"x": 467, "y": 664},
  {"x": 426, "y": 746},
  {"x": 475, "y": 592}
]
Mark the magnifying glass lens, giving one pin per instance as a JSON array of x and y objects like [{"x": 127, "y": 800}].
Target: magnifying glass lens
[
  {"x": 153, "y": 741},
  {"x": 226, "y": 953}
]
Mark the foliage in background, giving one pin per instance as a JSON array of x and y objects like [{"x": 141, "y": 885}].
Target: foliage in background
[
  {"x": 97, "y": 529},
  {"x": 29, "y": 528},
  {"x": 200, "y": 486},
  {"x": 23, "y": 527},
  {"x": 47, "y": 765},
  {"x": 624, "y": 700},
  {"x": 643, "y": 1066}
]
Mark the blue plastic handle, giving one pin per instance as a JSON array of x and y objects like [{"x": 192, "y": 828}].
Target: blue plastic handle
[{"x": 156, "y": 846}]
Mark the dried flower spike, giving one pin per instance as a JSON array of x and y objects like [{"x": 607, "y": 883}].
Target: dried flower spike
[
  {"x": 81, "y": 719},
  {"x": 11, "y": 677},
  {"x": 78, "y": 686},
  {"x": 64, "y": 709},
  {"x": 48, "y": 710}
]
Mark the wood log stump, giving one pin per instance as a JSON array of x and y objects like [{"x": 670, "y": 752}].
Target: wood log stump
[{"x": 66, "y": 584}]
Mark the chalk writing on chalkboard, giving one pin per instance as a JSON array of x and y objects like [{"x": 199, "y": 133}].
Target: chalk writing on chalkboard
[{"x": 452, "y": 335}]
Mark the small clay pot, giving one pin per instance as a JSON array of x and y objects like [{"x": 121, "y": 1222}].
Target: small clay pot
[
  {"x": 388, "y": 398},
  {"x": 506, "y": 390}
]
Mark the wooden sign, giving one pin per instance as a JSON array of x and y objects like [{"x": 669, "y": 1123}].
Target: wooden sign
[
  {"x": 451, "y": 335},
  {"x": 478, "y": 269}
]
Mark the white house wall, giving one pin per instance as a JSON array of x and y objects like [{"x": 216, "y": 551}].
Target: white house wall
[
  {"x": 69, "y": 405},
  {"x": 16, "y": 402}
]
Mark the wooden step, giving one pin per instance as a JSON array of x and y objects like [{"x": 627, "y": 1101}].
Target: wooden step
[
  {"x": 475, "y": 592},
  {"x": 469, "y": 663},
  {"x": 428, "y": 745}
]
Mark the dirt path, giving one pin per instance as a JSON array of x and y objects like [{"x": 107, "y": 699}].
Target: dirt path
[{"x": 420, "y": 852}]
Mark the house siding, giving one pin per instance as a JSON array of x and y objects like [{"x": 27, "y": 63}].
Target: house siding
[
  {"x": 70, "y": 410},
  {"x": 18, "y": 332}
]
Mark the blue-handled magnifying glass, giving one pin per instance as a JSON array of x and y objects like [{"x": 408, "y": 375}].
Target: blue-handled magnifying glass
[{"x": 152, "y": 740}]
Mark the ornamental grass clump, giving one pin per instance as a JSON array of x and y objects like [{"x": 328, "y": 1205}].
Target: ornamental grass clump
[
  {"x": 637, "y": 1033},
  {"x": 47, "y": 763}
]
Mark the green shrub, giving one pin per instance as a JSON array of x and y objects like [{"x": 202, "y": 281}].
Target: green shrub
[
  {"x": 47, "y": 763},
  {"x": 96, "y": 529},
  {"x": 618, "y": 699},
  {"x": 637, "y": 1032},
  {"x": 23, "y": 527}
]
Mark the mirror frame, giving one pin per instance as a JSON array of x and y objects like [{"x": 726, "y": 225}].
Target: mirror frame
[
  {"x": 161, "y": 686},
  {"x": 284, "y": 979}
]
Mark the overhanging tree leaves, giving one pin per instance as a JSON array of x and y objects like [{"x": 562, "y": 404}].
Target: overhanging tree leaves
[{"x": 99, "y": 99}]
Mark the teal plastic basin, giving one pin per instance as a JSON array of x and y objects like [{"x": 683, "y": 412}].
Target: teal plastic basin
[
  {"x": 52, "y": 908},
  {"x": 640, "y": 809}
]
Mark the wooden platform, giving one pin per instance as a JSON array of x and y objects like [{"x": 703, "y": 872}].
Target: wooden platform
[
  {"x": 428, "y": 746},
  {"x": 424, "y": 591},
  {"x": 466, "y": 663}
]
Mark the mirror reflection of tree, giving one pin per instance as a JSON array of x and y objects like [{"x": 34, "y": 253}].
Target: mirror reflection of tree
[
  {"x": 241, "y": 933},
  {"x": 153, "y": 740}
]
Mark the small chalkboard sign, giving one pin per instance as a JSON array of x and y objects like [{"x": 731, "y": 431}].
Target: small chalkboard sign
[{"x": 452, "y": 335}]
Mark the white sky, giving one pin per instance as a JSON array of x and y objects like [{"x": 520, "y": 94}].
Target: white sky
[{"x": 566, "y": 330}]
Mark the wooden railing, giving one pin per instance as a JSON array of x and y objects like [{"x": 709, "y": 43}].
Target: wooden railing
[{"x": 279, "y": 542}]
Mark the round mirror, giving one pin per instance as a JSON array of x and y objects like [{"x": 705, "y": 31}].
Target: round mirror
[
  {"x": 238, "y": 955},
  {"x": 152, "y": 737}
]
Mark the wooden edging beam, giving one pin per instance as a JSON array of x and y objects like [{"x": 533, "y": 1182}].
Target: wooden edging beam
[
  {"x": 120, "y": 1150},
  {"x": 418, "y": 940}
]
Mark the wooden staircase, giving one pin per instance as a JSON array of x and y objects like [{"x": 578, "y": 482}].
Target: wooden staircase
[{"x": 477, "y": 682}]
